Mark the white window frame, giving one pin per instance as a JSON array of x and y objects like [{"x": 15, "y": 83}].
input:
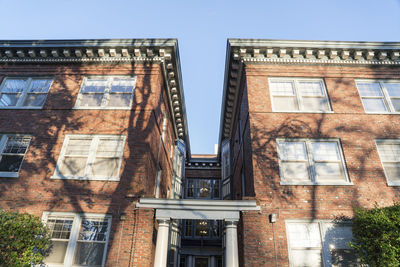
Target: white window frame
[
  {"x": 322, "y": 225},
  {"x": 297, "y": 95},
  {"x": 385, "y": 95},
  {"x": 73, "y": 240},
  {"x": 106, "y": 94},
  {"x": 310, "y": 161},
  {"x": 21, "y": 99},
  {"x": 387, "y": 142},
  {"x": 3, "y": 142},
  {"x": 91, "y": 157}
]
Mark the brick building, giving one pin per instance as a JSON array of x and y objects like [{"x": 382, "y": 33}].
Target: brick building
[{"x": 94, "y": 140}]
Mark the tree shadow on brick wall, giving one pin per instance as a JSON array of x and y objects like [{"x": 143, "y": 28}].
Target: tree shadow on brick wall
[
  {"x": 357, "y": 154},
  {"x": 318, "y": 201},
  {"x": 54, "y": 121}
]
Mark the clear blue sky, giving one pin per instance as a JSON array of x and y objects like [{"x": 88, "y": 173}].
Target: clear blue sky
[{"x": 202, "y": 28}]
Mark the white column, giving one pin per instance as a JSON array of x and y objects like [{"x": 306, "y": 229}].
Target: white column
[
  {"x": 231, "y": 244},
  {"x": 212, "y": 261},
  {"x": 190, "y": 261},
  {"x": 160, "y": 259}
]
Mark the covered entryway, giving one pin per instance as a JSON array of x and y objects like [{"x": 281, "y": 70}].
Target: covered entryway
[{"x": 197, "y": 209}]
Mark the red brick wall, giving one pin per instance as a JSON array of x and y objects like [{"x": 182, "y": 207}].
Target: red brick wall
[
  {"x": 34, "y": 192},
  {"x": 348, "y": 122}
]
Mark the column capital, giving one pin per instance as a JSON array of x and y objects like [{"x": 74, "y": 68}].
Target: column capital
[
  {"x": 231, "y": 222},
  {"x": 163, "y": 221}
]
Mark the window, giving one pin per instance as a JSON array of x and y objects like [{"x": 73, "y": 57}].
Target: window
[
  {"x": 202, "y": 188},
  {"x": 78, "y": 239},
  {"x": 311, "y": 162},
  {"x": 226, "y": 169},
  {"x": 380, "y": 96},
  {"x": 24, "y": 92},
  {"x": 206, "y": 229},
  {"x": 106, "y": 92},
  {"x": 389, "y": 153},
  {"x": 12, "y": 152},
  {"x": 300, "y": 94},
  {"x": 320, "y": 243},
  {"x": 94, "y": 157}
]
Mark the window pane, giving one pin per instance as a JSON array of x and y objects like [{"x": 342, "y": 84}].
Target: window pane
[
  {"x": 216, "y": 188},
  {"x": 295, "y": 171},
  {"x": 306, "y": 258},
  {"x": 188, "y": 228},
  {"x": 9, "y": 100},
  {"x": 337, "y": 236},
  {"x": 17, "y": 144},
  {"x": 204, "y": 188},
  {"x": 311, "y": 89},
  {"x": 58, "y": 251},
  {"x": 396, "y": 104},
  {"x": 14, "y": 86},
  {"x": 282, "y": 88},
  {"x": 202, "y": 228},
  {"x": 39, "y": 86},
  {"x": 285, "y": 103},
  {"x": 374, "y": 104},
  {"x": 392, "y": 171},
  {"x": 389, "y": 152},
  {"x": 109, "y": 147},
  {"x": 60, "y": 228},
  {"x": 315, "y": 104},
  {"x": 95, "y": 86},
  {"x": 105, "y": 167},
  {"x": 78, "y": 146},
  {"x": 292, "y": 151},
  {"x": 9, "y": 163},
  {"x": 329, "y": 171},
  {"x": 73, "y": 166},
  {"x": 190, "y": 187},
  {"x": 34, "y": 100},
  {"x": 304, "y": 235},
  {"x": 325, "y": 151},
  {"x": 91, "y": 100},
  {"x": 123, "y": 85},
  {"x": 344, "y": 258},
  {"x": 89, "y": 254},
  {"x": 393, "y": 89},
  {"x": 215, "y": 228},
  {"x": 369, "y": 89},
  {"x": 93, "y": 230},
  {"x": 119, "y": 100}
]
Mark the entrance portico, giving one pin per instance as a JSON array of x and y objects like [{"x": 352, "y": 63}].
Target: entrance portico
[{"x": 197, "y": 209}]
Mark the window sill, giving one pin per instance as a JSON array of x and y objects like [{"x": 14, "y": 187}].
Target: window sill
[
  {"x": 85, "y": 178},
  {"x": 102, "y": 108},
  {"x": 9, "y": 174},
  {"x": 393, "y": 183},
  {"x": 381, "y": 113},
  {"x": 311, "y": 183},
  {"x": 21, "y": 107},
  {"x": 299, "y": 111}
]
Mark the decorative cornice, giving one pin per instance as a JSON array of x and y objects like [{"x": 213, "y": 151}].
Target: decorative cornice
[
  {"x": 259, "y": 51},
  {"x": 161, "y": 51},
  {"x": 202, "y": 165}
]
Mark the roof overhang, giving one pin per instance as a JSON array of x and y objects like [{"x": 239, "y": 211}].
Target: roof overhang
[
  {"x": 263, "y": 51},
  {"x": 102, "y": 51}
]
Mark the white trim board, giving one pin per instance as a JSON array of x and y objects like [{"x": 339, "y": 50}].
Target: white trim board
[{"x": 198, "y": 208}]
